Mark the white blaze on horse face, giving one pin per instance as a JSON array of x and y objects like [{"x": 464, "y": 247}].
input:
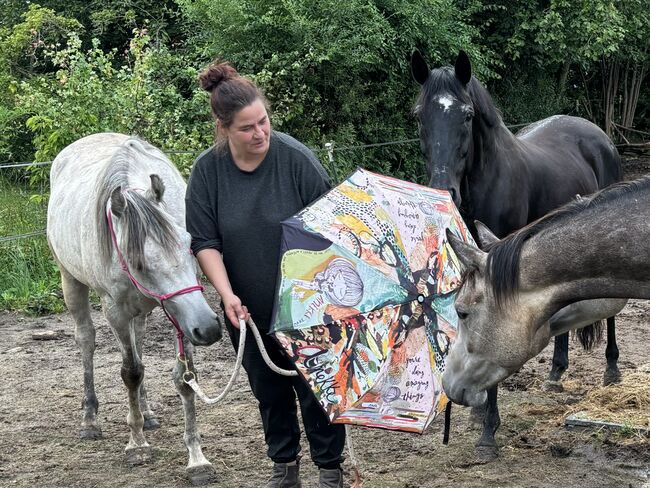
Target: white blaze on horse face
[{"x": 446, "y": 101}]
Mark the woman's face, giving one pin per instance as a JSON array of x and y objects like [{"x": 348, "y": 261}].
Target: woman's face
[{"x": 249, "y": 132}]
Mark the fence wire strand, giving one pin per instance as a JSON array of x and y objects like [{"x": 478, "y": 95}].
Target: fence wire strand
[{"x": 330, "y": 148}]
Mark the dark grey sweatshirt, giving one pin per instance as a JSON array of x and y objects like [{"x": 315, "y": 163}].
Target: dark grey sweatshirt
[{"x": 239, "y": 213}]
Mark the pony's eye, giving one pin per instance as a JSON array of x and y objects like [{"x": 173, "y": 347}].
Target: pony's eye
[
  {"x": 462, "y": 314},
  {"x": 469, "y": 116}
]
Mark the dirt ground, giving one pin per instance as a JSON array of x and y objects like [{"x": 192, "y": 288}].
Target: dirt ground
[{"x": 42, "y": 389}]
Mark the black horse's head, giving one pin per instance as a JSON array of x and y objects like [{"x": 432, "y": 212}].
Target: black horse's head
[{"x": 446, "y": 111}]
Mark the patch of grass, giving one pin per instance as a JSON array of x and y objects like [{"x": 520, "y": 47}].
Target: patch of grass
[{"x": 29, "y": 278}]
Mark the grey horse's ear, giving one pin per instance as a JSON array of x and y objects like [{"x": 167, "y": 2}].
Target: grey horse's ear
[
  {"x": 118, "y": 202},
  {"x": 157, "y": 189},
  {"x": 419, "y": 68},
  {"x": 463, "y": 68},
  {"x": 485, "y": 236},
  {"x": 470, "y": 256}
]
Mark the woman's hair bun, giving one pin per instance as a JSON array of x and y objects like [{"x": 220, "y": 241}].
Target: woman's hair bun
[{"x": 215, "y": 74}]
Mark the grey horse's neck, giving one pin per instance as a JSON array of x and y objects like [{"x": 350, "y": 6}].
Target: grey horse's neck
[{"x": 597, "y": 248}]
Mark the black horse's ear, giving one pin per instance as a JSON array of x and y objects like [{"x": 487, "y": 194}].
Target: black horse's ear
[
  {"x": 118, "y": 202},
  {"x": 463, "y": 68},
  {"x": 419, "y": 69},
  {"x": 157, "y": 187}
]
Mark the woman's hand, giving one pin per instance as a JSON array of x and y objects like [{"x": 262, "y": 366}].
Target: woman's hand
[{"x": 234, "y": 309}]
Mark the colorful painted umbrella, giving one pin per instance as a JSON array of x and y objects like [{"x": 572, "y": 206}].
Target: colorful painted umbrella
[{"x": 365, "y": 299}]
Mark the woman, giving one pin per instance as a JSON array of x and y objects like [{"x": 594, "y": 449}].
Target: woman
[{"x": 238, "y": 193}]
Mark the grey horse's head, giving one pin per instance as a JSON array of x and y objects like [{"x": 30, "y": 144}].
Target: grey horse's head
[
  {"x": 156, "y": 247},
  {"x": 494, "y": 339}
]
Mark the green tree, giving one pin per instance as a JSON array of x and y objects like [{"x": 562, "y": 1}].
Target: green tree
[
  {"x": 337, "y": 70},
  {"x": 22, "y": 48}
]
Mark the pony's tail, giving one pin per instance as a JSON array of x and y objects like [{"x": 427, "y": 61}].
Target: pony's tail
[{"x": 590, "y": 335}]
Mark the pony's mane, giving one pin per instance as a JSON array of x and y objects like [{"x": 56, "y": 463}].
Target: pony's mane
[
  {"x": 502, "y": 270},
  {"x": 141, "y": 218},
  {"x": 443, "y": 80}
]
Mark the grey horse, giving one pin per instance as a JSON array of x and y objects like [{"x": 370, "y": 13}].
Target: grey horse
[
  {"x": 116, "y": 224},
  {"x": 596, "y": 247}
]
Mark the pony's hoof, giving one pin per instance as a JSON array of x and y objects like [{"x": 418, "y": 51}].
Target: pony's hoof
[
  {"x": 203, "y": 474},
  {"x": 611, "y": 376},
  {"x": 151, "y": 424},
  {"x": 138, "y": 455},
  {"x": 554, "y": 386},
  {"x": 92, "y": 432},
  {"x": 486, "y": 454}
]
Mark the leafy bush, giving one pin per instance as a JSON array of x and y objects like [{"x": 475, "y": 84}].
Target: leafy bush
[{"x": 337, "y": 71}]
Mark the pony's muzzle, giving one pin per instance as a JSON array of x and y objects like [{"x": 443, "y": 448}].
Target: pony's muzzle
[
  {"x": 457, "y": 393},
  {"x": 199, "y": 323},
  {"x": 206, "y": 335}
]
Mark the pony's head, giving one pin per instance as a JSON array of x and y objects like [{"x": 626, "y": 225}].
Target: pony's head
[
  {"x": 153, "y": 247},
  {"x": 449, "y": 109},
  {"x": 498, "y": 324}
]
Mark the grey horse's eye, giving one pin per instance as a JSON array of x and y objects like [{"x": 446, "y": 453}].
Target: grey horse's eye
[{"x": 462, "y": 314}]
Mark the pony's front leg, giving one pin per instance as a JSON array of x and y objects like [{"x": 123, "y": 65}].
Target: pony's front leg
[
  {"x": 199, "y": 469},
  {"x": 560, "y": 363},
  {"x": 612, "y": 373},
  {"x": 137, "y": 450},
  {"x": 486, "y": 447},
  {"x": 150, "y": 420}
]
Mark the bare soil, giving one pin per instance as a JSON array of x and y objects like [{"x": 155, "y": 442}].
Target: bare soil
[{"x": 42, "y": 389}]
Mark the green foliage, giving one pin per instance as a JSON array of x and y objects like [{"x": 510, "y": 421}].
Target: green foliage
[
  {"x": 336, "y": 70},
  {"x": 29, "y": 280},
  {"x": 149, "y": 95},
  {"x": 22, "y": 56},
  {"x": 527, "y": 99},
  {"x": 22, "y": 47}
]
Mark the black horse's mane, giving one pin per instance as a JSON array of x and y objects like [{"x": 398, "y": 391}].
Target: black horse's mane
[
  {"x": 502, "y": 270},
  {"x": 444, "y": 80}
]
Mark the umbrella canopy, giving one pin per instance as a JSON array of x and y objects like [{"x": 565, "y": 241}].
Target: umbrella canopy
[{"x": 365, "y": 299}]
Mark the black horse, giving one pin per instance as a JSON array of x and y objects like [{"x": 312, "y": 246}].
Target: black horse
[{"x": 507, "y": 181}]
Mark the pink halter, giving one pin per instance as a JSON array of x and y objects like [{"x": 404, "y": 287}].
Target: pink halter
[{"x": 146, "y": 291}]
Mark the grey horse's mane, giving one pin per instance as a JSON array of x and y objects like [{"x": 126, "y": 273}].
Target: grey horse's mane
[
  {"x": 142, "y": 218},
  {"x": 502, "y": 270}
]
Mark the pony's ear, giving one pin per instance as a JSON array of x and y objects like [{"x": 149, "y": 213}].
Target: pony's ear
[
  {"x": 463, "y": 68},
  {"x": 157, "y": 189},
  {"x": 419, "y": 68},
  {"x": 485, "y": 236},
  {"x": 118, "y": 202},
  {"x": 470, "y": 257}
]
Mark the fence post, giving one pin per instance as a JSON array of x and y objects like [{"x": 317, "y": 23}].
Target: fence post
[{"x": 329, "y": 147}]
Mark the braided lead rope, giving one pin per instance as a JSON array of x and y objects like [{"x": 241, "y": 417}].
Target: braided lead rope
[{"x": 190, "y": 378}]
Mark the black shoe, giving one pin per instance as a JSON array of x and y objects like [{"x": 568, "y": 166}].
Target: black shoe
[
  {"x": 285, "y": 475},
  {"x": 330, "y": 478}
]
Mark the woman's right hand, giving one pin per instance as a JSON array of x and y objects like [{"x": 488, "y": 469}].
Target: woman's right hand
[{"x": 234, "y": 309}]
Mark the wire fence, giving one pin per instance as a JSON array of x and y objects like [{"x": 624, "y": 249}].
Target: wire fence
[{"x": 328, "y": 148}]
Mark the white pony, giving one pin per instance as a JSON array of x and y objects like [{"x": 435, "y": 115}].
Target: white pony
[{"x": 116, "y": 224}]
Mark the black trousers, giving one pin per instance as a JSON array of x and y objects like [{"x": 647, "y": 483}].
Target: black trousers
[{"x": 276, "y": 395}]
